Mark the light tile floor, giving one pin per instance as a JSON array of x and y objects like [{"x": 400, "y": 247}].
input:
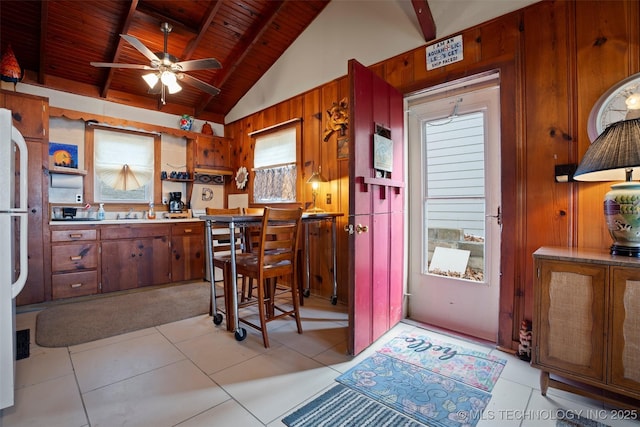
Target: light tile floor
[{"x": 191, "y": 373}]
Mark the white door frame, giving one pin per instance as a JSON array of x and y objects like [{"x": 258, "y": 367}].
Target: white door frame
[{"x": 459, "y": 305}]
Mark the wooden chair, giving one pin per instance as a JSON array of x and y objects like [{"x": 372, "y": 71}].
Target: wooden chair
[
  {"x": 221, "y": 240},
  {"x": 276, "y": 258}
]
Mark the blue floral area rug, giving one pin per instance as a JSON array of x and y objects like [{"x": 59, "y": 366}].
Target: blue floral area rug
[
  {"x": 344, "y": 407},
  {"x": 428, "y": 397}
]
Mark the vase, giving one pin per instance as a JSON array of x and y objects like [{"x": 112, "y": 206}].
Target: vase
[{"x": 186, "y": 121}]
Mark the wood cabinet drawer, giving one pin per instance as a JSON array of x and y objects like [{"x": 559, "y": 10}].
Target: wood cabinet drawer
[
  {"x": 74, "y": 284},
  {"x": 73, "y": 235},
  {"x": 134, "y": 232},
  {"x": 192, "y": 229},
  {"x": 74, "y": 257}
]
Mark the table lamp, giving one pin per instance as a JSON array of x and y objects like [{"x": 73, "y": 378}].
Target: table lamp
[
  {"x": 315, "y": 179},
  {"x": 615, "y": 156}
]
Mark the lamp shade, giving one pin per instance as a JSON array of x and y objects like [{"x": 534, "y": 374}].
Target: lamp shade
[
  {"x": 615, "y": 152},
  {"x": 316, "y": 177}
]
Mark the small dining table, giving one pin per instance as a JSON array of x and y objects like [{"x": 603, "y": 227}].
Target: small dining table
[{"x": 241, "y": 221}]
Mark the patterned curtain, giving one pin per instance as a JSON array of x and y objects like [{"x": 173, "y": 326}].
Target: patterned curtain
[{"x": 275, "y": 184}]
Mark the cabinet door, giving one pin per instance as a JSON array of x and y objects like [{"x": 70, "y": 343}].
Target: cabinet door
[
  {"x": 625, "y": 329},
  {"x": 34, "y": 291},
  {"x": 187, "y": 252},
  {"x": 30, "y": 114},
  {"x": 128, "y": 264},
  {"x": 212, "y": 152},
  {"x": 571, "y": 313}
]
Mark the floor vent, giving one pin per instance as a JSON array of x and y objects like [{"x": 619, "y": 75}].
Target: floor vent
[{"x": 22, "y": 344}]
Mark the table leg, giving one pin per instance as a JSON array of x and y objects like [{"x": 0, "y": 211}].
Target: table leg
[
  {"x": 307, "y": 281},
  {"x": 213, "y": 310}
]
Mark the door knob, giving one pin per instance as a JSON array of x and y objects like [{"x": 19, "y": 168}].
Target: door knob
[
  {"x": 348, "y": 228},
  {"x": 361, "y": 228}
]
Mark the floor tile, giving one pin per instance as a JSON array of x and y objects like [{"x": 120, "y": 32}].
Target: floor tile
[
  {"x": 53, "y": 403},
  {"x": 162, "y": 397},
  {"x": 111, "y": 363},
  {"x": 43, "y": 364},
  {"x": 271, "y": 383},
  {"x": 229, "y": 413},
  {"x": 219, "y": 350}
]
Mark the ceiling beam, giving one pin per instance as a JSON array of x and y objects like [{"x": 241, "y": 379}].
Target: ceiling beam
[
  {"x": 425, "y": 19},
  {"x": 204, "y": 27},
  {"x": 239, "y": 54},
  {"x": 125, "y": 28}
]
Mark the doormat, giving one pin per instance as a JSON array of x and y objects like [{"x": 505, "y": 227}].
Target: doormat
[
  {"x": 417, "y": 392},
  {"x": 344, "y": 407},
  {"x": 471, "y": 367},
  {"x": 571, "y": 419},
  {"x": 78, "y": 322},
  {"x": 427, "y": 381}
]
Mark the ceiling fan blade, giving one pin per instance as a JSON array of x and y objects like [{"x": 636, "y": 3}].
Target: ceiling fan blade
[
  {"x": 114, "y": 65},
  {"x": 197, "y": 83},
  {"x": 141, "y": 47},
  {"x": 199, "y": 64}
]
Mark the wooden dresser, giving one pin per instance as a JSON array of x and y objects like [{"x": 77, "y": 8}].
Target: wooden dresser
[{"x": 586, "y": 323}]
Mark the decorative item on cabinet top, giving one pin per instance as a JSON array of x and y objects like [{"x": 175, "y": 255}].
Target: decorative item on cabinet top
[{"x": 210, "y": 176}]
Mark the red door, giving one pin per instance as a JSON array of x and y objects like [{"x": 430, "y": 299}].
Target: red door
[{"x": 376, "y": 207}]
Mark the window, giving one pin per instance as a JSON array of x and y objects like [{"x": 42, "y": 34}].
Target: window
[
  {"x": 275, "y": 164},
  {"x": 455, "y": 198},
  {"x": 124, "y": 166}
]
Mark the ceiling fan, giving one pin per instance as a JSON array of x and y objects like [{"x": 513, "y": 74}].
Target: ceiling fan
[{"x": 166, "y": 68}]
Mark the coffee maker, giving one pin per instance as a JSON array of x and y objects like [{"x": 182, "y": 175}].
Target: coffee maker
[{"x": 175, "y": 202}]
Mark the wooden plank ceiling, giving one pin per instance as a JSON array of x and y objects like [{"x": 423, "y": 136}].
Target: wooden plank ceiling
[{"x": 54, "y": 42}]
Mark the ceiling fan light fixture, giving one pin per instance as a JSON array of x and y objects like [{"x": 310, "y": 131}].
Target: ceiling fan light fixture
[
  {"x": 151, "y": 79},
  {"x": 174, "y": 88},
  {"x": 168, "y": 78}
]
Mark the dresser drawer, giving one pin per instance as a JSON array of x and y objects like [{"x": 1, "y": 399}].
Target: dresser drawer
[
  {"x": 74, "y": 257},
  {"x": 74, "y": 284},
  {"x": 73, "y": 235},
  {"x": 191, "y": 229}
]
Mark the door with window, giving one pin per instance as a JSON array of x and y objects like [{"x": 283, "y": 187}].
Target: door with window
[{"x": 454, "y": 226}]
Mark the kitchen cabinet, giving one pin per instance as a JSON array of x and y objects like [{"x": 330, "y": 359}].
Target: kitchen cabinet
[
  {"x": 586, "y": 324},
  {"x": 187, "y": 251},
  {"x": 210, "y": 152},
  {"x": 74, "y": 262},
  {"x": 31, "y": 117},
  {"x": 135, "y": 256}
]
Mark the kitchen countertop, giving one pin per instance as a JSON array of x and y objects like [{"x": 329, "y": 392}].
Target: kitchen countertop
[{"x": 121, "y": 221}]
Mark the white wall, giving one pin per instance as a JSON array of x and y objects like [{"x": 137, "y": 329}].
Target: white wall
[{"x": 369, "y": 31}]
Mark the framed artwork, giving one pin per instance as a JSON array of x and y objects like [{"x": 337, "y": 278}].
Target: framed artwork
[
  {"x": 382, "y": 153},
  {"x": 63, "y": 155}
]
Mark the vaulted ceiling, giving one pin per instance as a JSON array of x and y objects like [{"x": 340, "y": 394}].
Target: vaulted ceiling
[{"x": 55, "y": 41}]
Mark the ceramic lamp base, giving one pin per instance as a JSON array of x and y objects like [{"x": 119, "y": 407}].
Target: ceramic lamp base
[{"x": 622, "y": 213}]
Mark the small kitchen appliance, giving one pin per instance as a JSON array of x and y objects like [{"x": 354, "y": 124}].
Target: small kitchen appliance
[{"x": 175, "y": 202}]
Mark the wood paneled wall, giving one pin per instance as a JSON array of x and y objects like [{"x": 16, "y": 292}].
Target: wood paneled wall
[{"x": 555, "y": 59}]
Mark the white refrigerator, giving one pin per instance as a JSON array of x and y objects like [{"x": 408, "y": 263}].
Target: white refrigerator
[{"x": 13, "y": 246}]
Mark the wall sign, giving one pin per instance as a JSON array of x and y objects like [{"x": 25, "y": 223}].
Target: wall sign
[{"x": 445, "y": 52}]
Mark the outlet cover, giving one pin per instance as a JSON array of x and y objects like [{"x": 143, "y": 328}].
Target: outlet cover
[{"x": 78, "y": 198}]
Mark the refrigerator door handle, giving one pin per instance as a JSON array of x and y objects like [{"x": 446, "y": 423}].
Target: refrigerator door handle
[
  {"x": 16, "y": 287},
  {"x": 22, "y": 213},
  {"x": 16, "y": 138}
]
